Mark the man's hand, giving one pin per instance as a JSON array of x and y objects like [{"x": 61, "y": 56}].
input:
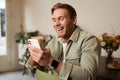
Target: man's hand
[{"x": 41, "y": 56}]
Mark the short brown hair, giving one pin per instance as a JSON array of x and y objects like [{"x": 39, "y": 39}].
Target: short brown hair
[{"x": 69, "y": 8}]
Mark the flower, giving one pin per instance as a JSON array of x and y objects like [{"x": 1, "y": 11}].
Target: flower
[{"x": 108, "y": 42}]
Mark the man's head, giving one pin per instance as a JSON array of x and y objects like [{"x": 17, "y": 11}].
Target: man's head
[{"x": 64, "y": 19}]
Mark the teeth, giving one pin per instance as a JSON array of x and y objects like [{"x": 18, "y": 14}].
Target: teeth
[{"x": 58, "y": 29}]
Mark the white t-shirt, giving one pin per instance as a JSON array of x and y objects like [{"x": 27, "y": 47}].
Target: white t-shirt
[{"x": 64, "y": 51}]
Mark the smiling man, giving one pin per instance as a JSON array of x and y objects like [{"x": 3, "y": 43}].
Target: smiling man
[
  {"x": 63, "y": 23},
  {"x": 74, "y": 54}
]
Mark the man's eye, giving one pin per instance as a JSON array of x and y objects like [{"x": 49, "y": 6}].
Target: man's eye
[
  {"x": 53, "y": 20},
  {"x": 61, "y": 18}
]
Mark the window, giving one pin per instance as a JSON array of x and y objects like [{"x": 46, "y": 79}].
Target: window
[{"x": 2, "y": 28}]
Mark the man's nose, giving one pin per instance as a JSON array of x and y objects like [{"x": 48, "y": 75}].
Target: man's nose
[{"x": 57, "y": 23}]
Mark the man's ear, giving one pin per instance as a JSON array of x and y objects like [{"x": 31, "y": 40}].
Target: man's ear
[{"x": 74, "y": 20}]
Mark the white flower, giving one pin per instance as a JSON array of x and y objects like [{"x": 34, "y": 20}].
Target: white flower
[{"x": 103, "y": 44}]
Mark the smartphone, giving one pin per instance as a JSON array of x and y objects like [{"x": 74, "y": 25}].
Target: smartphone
[{"x": 34, "y": 42}]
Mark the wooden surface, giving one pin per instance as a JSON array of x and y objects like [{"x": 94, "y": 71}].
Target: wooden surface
[{"x": 108, "y": 73}]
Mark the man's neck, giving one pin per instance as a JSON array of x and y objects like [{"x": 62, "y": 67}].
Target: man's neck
[{"x": 65, "y": 40}]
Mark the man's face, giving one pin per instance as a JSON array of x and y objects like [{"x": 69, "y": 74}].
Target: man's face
[{"x": 62, "y": 23}]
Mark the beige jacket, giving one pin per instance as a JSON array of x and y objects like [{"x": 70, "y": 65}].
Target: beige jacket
[{"x": 82, "y": 56}]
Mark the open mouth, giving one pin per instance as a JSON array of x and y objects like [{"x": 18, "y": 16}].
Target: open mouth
[{"x": 59, "y": 29}]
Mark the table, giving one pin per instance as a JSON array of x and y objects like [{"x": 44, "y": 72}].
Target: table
[{"x": 108, "y": 73}]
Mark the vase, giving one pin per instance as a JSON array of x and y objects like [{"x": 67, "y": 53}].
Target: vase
[{"x": 109, "y": 56}]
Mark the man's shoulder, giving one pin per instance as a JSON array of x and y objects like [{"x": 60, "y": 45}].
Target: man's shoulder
[
  {"x": 83, "y": 33},
  {"x": 86, "y": 34},
  {"x": 53, "y": 41}
]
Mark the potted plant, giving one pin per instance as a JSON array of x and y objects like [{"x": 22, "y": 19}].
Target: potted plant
[{"x": 21, "y": 38}]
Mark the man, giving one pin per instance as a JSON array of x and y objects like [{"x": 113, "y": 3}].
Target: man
[{"x": 74, "y": 54}]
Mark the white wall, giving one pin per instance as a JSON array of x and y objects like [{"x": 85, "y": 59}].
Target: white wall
[{"x": 95, "y": 16}]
